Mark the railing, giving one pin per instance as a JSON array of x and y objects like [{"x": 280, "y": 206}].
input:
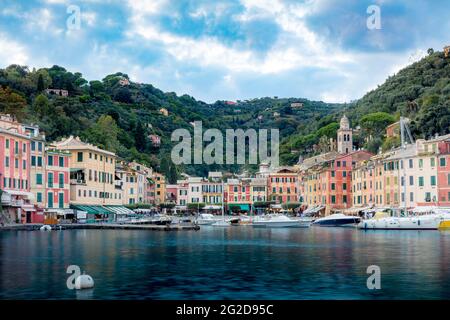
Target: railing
[{"x": 77, "y": 181}]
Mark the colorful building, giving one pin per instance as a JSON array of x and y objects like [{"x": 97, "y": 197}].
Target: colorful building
[
  {"x": 92, "y": 173},
  {"x": 17, "y": 198},
  {"x": 283, "y": 185}
]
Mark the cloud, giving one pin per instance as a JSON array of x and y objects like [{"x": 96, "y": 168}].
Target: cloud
[{"x": 12, "y": 52}]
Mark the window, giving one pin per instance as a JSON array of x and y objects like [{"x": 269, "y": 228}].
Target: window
[
  {"x": 24, "y": 147},
  {"x": 39, "y": 178},
  {"x": 61, "y": 162},
  {"x": 61, "y": 200},
  {"x": 410, "y": 163},
  {"x": 344, "y": 174},
  {"x": 50, "y": 199},
  {"x": 333, "y": 186},
  {"x": 344, "y": 186},
  {"x": 7, "y": 161},
  {"x": 61, "y": 180},
  {"x": 333, "y": 199},
  {"x": 7, "y": 143},
  {"x": 33, "y": 161},
  {"x": 420, "y": 163},
  {"x": 50, "y": 180},
  {"x": 433, "y": 180},
  {"x": 442, "y": 162},
  {"x": 16, "y": 147},
  {"x": 39, "y": 197},
  {"x": 80, "y": 157},
  {"x": 427, "y": 197},
  {"x": 344, "y": 199},
  {"x": 432, "y": 162},
  {"x": 39, "y": 161},
  {"x": 420, "y": 181},
  {"x": 16, "y": 163},
  {"x": 40, "y": 146},
  {"x": 50, "y": 160},
  {"x": 411, "y": 196},
  {"x": 24, "y": 164},
  {"x": 33, "y": 145},
  {"x": 411, "y": 180}
]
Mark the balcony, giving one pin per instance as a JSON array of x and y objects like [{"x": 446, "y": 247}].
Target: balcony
[{"x": 78, "y": 182}]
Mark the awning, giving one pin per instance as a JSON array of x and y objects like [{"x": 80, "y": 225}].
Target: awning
[
  {"x": 91, "y": 209},
  {"x": 29, "y": 195},
  {"x": 242, "y": 206},
  {"x": 120, "y": 210},
  {"x": 28, "y": 209}
]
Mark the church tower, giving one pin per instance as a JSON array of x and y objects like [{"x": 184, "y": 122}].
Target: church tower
[{"x": 344, "y": 136}]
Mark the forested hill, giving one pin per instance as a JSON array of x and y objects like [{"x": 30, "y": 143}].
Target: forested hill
[
  {"x": 120, "y": 115},
  {"x": 420, "y": 92}
]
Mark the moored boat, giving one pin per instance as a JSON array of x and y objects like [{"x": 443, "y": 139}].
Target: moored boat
[
  {"x": 337, "y": 220},
  {"x": 278, "y": 221}
]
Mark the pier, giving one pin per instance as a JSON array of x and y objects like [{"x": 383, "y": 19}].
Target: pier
[{"x": 100, "y": 226}]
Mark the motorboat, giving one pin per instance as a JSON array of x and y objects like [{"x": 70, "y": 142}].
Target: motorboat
[
  {"x": 337, "y": 220},
  {"x": 221, "y": 223},
  {"x": 430, "y": 221},
  {"x": 205, "y": 219},
  {"x": 278, "y": 221}
]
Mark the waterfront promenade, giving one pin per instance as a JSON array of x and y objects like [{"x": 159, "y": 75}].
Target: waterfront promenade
[{"x": 99, "y": 226}]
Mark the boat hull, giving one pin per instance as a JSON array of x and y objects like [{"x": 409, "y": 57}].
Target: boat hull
[
  {"x": 407, "y": 223},
  {"x": 350, "y": 222},
  {"x": 281, "y": 224}
]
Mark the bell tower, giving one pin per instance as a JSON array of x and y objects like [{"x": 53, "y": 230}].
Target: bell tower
[{"x": 344, "y": 136}]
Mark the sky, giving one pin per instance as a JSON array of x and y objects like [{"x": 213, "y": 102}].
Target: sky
[{"x": 228, "y": 49}]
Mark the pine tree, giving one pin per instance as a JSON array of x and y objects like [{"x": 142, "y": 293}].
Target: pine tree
[{"x": 40, "y": 83}]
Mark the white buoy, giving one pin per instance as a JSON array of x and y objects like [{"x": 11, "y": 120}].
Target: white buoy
[
  {"x": 84, "y": 282},
  {"x": 45, "y": 228}
]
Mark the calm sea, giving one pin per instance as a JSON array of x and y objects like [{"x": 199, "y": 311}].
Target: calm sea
[{"x": 226, "y": 263}]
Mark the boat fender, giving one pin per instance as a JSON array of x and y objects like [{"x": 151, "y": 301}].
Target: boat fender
[{"x": 84, "y": 282}]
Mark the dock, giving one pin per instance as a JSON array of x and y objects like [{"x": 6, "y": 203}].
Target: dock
[{"x": 100, "y": 226}]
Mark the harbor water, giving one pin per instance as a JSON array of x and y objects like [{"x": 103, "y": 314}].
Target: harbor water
[{"x": 226, "y": 263}]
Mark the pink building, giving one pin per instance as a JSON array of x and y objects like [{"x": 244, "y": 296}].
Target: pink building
[
  {"x": 283, "y": 185},
  {"x": 171, "y": 193},
  {"x": 16, "y": 197},
  {"x": 443, "y": 173},
  {"x": 57, "y": 174}
]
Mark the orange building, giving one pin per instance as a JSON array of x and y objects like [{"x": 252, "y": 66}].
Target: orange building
[{"x": 283, "y": 185}]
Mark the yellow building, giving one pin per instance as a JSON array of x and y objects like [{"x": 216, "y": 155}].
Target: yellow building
[
  {"x": 92, "y": 173},
  {"x": 158, "y": 192}
]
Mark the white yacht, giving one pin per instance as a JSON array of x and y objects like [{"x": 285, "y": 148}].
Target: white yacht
[
  {"x": 278, "y": 221},
  {"x": 382, "y": 221},
  {"x": 205, "y": 219},
  {"x": 337, "y": 220}
]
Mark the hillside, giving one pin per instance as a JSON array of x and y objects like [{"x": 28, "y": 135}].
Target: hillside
[
  {"x": 119, "y": 115},
  {"x": 420, "y": 92}
]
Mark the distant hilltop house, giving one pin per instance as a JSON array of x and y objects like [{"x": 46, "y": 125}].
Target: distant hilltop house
[
  {"x": 155, "y": 139},
  {"x": 164, "y": 112},
  {"x": 230, "y": 103},
  {"x": 447, "y": 51},
  {"x": 297, "y": 105},
  {"x": 393, "y": 130},
  {"x": 124, "y": 82},
  {"x": 58, "y": 92},
  {"x": 276, "y": 114}
]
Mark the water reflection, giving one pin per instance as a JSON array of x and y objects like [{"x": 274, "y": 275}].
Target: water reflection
[{"x": 226, "y": 263}]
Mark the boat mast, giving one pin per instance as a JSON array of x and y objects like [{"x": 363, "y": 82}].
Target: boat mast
[{"x": 223, "y": 215}]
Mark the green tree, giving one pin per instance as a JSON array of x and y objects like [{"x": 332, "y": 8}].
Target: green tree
[
  {"x": 104, "y": 133},
  {"x": 12, "y": 103},
  {"x": 40, "y": 83}
]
